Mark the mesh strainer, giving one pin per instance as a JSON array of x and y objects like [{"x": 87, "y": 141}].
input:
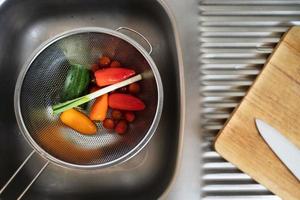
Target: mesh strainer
[{"x": 41, "y": 82}]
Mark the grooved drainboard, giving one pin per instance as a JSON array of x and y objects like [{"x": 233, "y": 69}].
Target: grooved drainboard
[{"x": 236, "y": 37}]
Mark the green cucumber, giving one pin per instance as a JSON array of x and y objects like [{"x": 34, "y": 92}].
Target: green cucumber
[{"x": 76, "y": 83}]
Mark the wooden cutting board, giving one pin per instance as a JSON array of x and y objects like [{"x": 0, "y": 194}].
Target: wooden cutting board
[{"x": 275, "y": 98}]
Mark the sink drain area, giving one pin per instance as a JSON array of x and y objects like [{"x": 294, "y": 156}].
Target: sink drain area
[{"x": 236, "y": 38}]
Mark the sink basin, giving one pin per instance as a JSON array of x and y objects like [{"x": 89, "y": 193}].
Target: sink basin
[{"x": 27, "y": 24}]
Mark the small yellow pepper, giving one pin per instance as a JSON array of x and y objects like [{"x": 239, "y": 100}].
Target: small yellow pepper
[{"x": 78, "y": 121}]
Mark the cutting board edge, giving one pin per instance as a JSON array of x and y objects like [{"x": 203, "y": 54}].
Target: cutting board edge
[
  {"x": 218, "y": 144},
  {"x": 236, "y": 109}
]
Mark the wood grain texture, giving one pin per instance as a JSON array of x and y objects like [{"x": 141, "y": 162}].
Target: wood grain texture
[{"x": 275, "y": 98}]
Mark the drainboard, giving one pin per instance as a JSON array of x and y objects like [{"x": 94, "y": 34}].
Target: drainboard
[{"x": 236, "y": 38}]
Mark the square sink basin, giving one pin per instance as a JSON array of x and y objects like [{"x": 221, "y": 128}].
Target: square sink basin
[{"x": 27, "y": 24}]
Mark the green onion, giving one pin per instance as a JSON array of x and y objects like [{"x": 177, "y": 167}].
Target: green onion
[{"x": 58, "y": 108}]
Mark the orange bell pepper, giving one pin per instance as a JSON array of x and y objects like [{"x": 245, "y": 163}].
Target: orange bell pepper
[
  {"x": 99, "y": 108},
  {"x": 78, "y": 121}
]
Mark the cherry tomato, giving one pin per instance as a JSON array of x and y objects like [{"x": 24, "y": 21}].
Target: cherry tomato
[
  {"x": 104, "y": 61},
  {"x": 116, "y": 114},
  {"x": 130, "y": 116},
  {"x": 115, "y": 64},
  {"x": 109, "y": 123},
  {"x": 121, "y": 127},
  {"x": 134, "y": 88}
]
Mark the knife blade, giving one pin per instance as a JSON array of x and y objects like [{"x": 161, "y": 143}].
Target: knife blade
[{"x": 285, "y": 150}]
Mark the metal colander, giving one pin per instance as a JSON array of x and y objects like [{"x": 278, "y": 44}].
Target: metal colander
[{"x": 41, "y": 82}]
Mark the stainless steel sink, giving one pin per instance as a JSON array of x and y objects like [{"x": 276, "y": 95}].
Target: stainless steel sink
[
  {"x": 24, "y": 26},
  {"x": 224, "y": 45}
]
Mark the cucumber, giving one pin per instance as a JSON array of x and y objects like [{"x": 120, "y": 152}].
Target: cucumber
[{"x": 76, "y": 83}]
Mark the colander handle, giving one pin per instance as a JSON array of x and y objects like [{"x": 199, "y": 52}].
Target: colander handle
[
  {"x": 139, "y": 34},
  {"x": 17, "y": 171}
]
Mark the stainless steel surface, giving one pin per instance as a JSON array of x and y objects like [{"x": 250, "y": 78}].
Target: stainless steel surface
[
  {"x": 285, "y": 150},
  {"x": 16, "y": 172},
  {"x": 41, "y": 81},
  {"x": 139, "y": 34},
  {"x": 224, "y": 44},
  {"x": 235, "y": 37},
  {"x": 149, "y": 173},
  {"x": 33, "y": 180}
]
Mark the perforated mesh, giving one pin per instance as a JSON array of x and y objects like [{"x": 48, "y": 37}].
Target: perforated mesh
[{"x": 44, "y": 82}]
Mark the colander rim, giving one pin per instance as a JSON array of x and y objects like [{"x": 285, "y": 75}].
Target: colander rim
[{"x": 51, "y": 41}]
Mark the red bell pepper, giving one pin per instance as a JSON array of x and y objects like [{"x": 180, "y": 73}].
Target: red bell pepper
[
  {"x": 110, "y": 76},
  {"x": 125, "y": 102}
]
